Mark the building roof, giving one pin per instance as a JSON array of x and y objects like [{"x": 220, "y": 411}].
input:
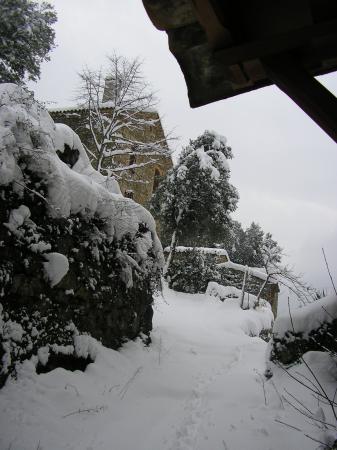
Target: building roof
[
  {"x": 225, "y": 48},
  {"x": 219, "y": 44},
  {"x": 105, "y": 105}
]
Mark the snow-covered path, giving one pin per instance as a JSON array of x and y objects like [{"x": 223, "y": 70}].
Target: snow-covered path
[{"x": 198, "y": 386}]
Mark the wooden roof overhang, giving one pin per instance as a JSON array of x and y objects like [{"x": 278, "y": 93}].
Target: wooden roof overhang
[{"x": 228, "y": 47}]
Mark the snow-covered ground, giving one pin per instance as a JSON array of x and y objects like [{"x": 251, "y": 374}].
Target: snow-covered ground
[{"x": 198, "y": 386}]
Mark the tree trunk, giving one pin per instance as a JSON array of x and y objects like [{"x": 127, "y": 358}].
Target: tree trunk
[
  {"x": 261, "y": 290},
  {"x": 172, "y": 251},
  {"x": 173, "y": 243},
  {"x": 244, "y": 287}
]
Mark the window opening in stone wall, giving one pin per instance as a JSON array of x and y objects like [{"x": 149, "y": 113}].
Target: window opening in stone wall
[
  {"x": 156, "y": 179},
  {"x": 131, "y": 162},
  {"x": 129, "y": 193}
]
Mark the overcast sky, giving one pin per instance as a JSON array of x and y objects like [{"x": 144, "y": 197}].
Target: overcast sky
[{"x": 284, "y": 165}]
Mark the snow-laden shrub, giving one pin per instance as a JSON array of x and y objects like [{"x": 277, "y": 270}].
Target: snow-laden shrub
[
  {"x": 72, "y": 248},
  {"x": 311, "y": 327},
  {"x": 191, "y": 271},
  {"x": 29, "y": 138}
]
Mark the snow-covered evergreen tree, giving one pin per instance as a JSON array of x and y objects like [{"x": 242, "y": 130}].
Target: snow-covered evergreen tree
[
  {"x": 233, "y": 242},
  {"x": 254, "y": 237},
  {"x": 271, "y": 253},
  {"x": 246, "y": 246},
  {"x": 193, "y": 203},
  {"x": 26, "y": 37},
  {"x": 249, "y": 246}
]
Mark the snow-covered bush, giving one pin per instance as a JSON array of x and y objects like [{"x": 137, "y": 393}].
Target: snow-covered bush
[
  {"x": 73, "y": 250},
  {"x": 312, "y": 327},
  {"x": 304, "y": 346},
  {"x": 191, "y": 271}
]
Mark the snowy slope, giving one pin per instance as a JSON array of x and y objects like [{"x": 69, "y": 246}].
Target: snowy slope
[{"x": 198, "y": 386}]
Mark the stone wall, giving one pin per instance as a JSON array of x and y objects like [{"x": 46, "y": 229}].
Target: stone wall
[{"x": 141, "y": 183}]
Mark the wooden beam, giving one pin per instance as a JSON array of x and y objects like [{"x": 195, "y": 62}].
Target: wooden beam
[
  {"x": 281, "y": 42},
  {"x": 310, "y": 95}
]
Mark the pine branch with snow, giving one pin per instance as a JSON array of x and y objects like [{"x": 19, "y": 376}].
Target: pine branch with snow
[{"x": 26, "y": 38}]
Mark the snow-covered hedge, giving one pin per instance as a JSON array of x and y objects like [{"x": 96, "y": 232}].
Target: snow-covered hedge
[
  {"x": 73, "y": 250},
  {"x": 312, "y": 327},
  {"x": 191, "y": 271},
  {"x": 204, "y": 250}
]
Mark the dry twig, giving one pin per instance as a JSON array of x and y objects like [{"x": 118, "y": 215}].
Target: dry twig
[{"x": 125, "y": 388}]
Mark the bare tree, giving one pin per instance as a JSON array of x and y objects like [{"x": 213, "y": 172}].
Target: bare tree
[
  {"x": 245, "y": 276},
  {"x": 119, "y": 103},
  {"x": 285, "y": 275}
]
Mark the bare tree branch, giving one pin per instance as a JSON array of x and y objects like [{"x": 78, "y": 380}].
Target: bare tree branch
[
  {"x": 328, "y": 269},
  {"x": 119, "y": 103}
]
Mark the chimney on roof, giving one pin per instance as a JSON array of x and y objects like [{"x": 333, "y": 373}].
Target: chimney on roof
[{"x": 111, "y": 89}]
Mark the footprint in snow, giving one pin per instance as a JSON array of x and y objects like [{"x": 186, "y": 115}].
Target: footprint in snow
[{"x": 187, "y": 433}]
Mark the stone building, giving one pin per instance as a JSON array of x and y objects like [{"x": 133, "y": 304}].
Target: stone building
[{"x": 137, "y": 183}]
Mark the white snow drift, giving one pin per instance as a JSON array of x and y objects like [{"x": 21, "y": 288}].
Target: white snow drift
[{"x": 198, "y": 386}]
